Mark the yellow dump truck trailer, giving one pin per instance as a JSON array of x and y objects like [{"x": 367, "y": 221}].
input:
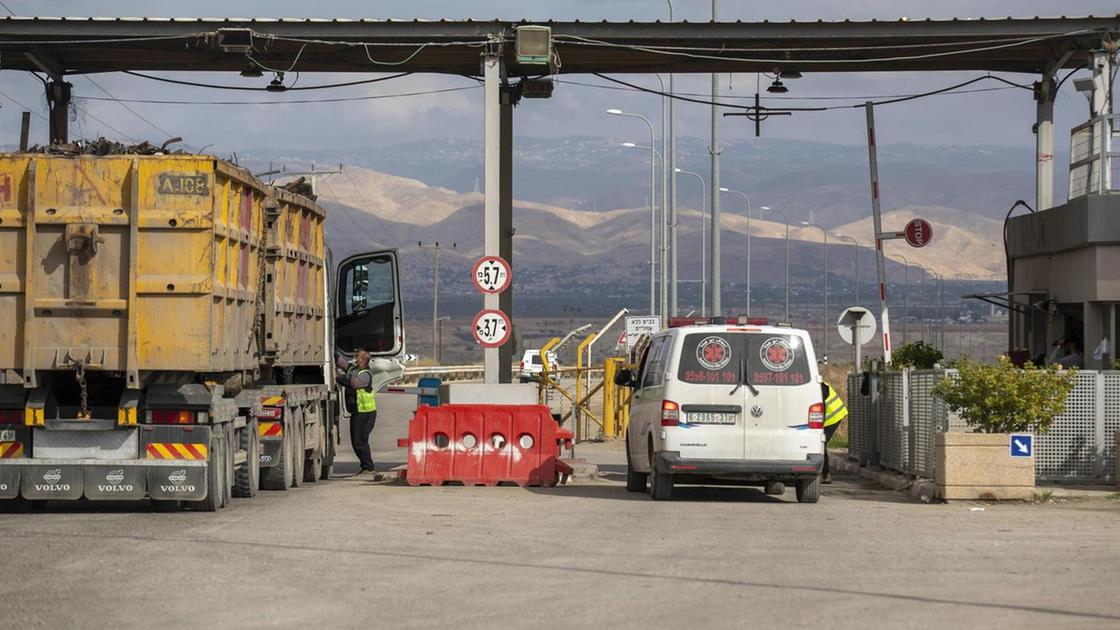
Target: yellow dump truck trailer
[{"x": 168, "y": 328}]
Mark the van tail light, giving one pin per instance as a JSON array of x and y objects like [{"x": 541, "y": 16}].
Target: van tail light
[
  {"x": 816, "y": 416},
  {"x": 11, "y": 416},
  {"x": 670, "y": 413},
  {"x": 172, "y": 416},
  {"x": 522, "y": 366}
]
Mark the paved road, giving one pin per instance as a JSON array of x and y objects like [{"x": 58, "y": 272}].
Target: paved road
[{"x": 350, "y": 553}]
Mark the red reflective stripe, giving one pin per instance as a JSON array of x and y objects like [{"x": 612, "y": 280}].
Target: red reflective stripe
[
  {"x": 882, "y": 292},
  {"x": 887, "y": 341},
  {"x": 194, "y": 450}
]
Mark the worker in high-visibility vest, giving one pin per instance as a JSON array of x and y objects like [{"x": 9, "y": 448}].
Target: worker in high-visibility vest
[
  {"x": 361, "y": 403},
  {"x": 834, "y": 414}
]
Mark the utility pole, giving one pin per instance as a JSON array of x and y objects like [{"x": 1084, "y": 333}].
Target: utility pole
[
  {"x": 437, "y": 248},
  {"x": 714, "y": 250},
  {"x": 672, "y": 195}
]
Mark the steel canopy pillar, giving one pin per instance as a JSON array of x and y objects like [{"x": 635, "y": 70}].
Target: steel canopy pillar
[
  {"x": 58, "y": 101},
  {"x": 505, "y": 222},
  {"x": 492, "y": 148}
]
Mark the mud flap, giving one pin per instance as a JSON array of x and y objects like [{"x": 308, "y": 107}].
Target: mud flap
[
  {"x": 271, "y": 452},
  {"x": 62, "y": 483},
  {"x": 115, "y": 483},
  {"x": 178, "y": 482},
  {"x": 9, "y": 481}
]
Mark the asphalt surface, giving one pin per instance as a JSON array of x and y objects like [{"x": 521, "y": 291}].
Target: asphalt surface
[{"x": 349, "y": 553}]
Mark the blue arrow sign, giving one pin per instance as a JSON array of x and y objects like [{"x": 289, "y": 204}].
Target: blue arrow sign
[{"x": 1022, "y": 445}]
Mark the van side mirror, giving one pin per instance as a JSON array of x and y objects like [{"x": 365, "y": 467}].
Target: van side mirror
[{"x": 624, "y": 377}]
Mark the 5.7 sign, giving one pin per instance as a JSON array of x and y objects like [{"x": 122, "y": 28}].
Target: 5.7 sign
[{"x": 491, "y": 274}]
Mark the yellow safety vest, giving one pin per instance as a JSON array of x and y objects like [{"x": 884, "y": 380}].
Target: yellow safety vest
[
  {"x": 367, "y": 402},
  {"x": 834, "y": 409}
]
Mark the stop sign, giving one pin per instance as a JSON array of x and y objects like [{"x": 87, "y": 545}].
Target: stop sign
[{"x": 919, "y": 233}]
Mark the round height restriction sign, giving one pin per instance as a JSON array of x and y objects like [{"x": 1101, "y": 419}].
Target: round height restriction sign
[
  {"x": 491, "y": 274},
  {"x": 491, "y": 328},
  {"x": 919, "y": 233}
]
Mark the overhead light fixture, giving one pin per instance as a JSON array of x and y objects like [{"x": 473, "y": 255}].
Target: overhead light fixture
[
  {"x": 777, "y": 87},
  {"x": 277, "y": 83},
  {"x": 614, "y": 111},
  {"x": 790, "y": 74},
  {"x": 629, "y": 145},
  {"x": 536, "y": 88},
  {"x": 235, "y": 40},
  {"x": 252, "y": 72},
  {"x": 533, "y": 44},
  {"x": 1083, "y": 85}
]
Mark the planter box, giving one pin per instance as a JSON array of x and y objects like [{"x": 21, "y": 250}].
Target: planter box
[{"x": 974, "y": 466}]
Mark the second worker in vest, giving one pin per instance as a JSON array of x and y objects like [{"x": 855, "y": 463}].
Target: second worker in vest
[
  {"x": 361, "y": 403},
  {"x": 834, "y": 413}
]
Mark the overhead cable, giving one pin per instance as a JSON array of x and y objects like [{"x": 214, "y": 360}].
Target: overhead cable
[
  {"x": 340, "y": 99},
  {"x": 214, "y": 86}
]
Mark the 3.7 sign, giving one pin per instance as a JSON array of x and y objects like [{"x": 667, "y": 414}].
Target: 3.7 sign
[
  {"x": 491, "y": 328},
  {"x": 491, "y": 274}
]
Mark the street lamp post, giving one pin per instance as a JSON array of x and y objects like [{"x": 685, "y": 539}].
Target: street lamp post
[
  {"x": 703, "y": 241},
  {"x": 824, "y": 268},
  {"x": 652, "y": 203},
  {"x": 748, "y": 200},
  {"x": 855, "y": 243},
  {"x": 658, "y": 159},
  {"x": 786, "y": 220},
  {"x": 905, "y": 297}
]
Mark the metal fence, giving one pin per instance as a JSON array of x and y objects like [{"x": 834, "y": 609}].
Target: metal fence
[{"x": 896, "y": 425}]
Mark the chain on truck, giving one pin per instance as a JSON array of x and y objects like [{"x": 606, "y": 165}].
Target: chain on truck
[{"x": 168, "y": 328}]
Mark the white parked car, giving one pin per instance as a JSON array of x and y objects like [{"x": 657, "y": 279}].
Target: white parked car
[
  {"x": 532, "y": 367},
  {"x": 736, "y": 403}
]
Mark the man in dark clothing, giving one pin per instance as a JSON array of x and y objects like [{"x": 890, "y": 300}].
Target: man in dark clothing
[{"x": 361, "y": 403}]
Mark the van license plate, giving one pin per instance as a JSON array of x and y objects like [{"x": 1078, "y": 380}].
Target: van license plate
[
  {"x": 711, "y": 417},
  {"x": 7, "y": 435}
]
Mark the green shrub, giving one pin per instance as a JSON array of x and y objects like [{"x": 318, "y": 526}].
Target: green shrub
[
  {"x": 916, "y": 354},
  {"x": 1002, "y": 398}
]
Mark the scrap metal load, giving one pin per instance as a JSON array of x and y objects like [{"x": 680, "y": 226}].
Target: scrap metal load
[{"x": 152, "y": 308}]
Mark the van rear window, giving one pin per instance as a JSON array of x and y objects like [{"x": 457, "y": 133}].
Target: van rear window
[{"x": 718, "y": 358}]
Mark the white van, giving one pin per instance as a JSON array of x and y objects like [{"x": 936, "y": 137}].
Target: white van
[{"x": 726, "y": 402}]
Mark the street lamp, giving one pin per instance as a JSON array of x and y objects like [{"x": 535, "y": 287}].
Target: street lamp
[
  {"x": 856, "y": 244},
  {"x": 703, "y": 241},
  {"x": 748, "y": 200},
  {"x": 652, "y": 203},
  {"x": 785, "y": 219},
  {"x": 824, "y": 268}
]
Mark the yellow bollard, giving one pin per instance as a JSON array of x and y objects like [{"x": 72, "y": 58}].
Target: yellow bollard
[{"x": 610, "y": 398}]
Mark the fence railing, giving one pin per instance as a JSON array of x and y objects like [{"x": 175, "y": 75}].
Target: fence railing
[
  {"x": 895, "y": 425},
  {"x": 1094, "y": 162}
]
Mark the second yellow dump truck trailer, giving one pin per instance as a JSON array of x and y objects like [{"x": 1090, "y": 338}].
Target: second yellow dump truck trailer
[{"x": 168, "y": 327}]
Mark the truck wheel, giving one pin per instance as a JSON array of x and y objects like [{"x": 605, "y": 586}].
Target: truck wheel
[
  {"x": 227, "y": 460},
  {"x": 660, "y": 484},
  {"x": 247, "y": 478},
  {"x": 299, "y": 452},
  {"x": 279, "y": 476},
  {"x": 314, "y": 462},
  {"x": 328, "y": 453},
  {"x": 809, "y": 490},
  {"x": 635, "y": 481},
  {"x": 215, "y": 478}
]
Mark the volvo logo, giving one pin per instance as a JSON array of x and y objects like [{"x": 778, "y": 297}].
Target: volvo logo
[
  {"x": 53, "y": 475},
  {"x": 756, "y": 411},
  {"x": 178, "y": 476},
  {"x": 115, "y": 476}
]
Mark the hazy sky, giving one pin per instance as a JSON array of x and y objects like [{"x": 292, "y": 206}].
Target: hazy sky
[{"x": 1001, "y": 117}]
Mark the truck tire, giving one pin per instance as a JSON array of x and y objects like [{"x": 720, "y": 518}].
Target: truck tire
[
  {"x": 809, "y": 490},
  {"x": 279, "y": 477},
  {"x": 247, "y": 478},
  {"x": 228, "y": 472},
  {"x": 635, "y": 481},
  {"x": 299, "y": 449},
  {"x": 315, "y": 462},
  {"x": 215, "y": 478},
  {"x": 328, "y": 452}
]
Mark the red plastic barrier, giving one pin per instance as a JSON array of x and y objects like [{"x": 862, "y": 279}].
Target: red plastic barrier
[{"x": 485, "y": 445}]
